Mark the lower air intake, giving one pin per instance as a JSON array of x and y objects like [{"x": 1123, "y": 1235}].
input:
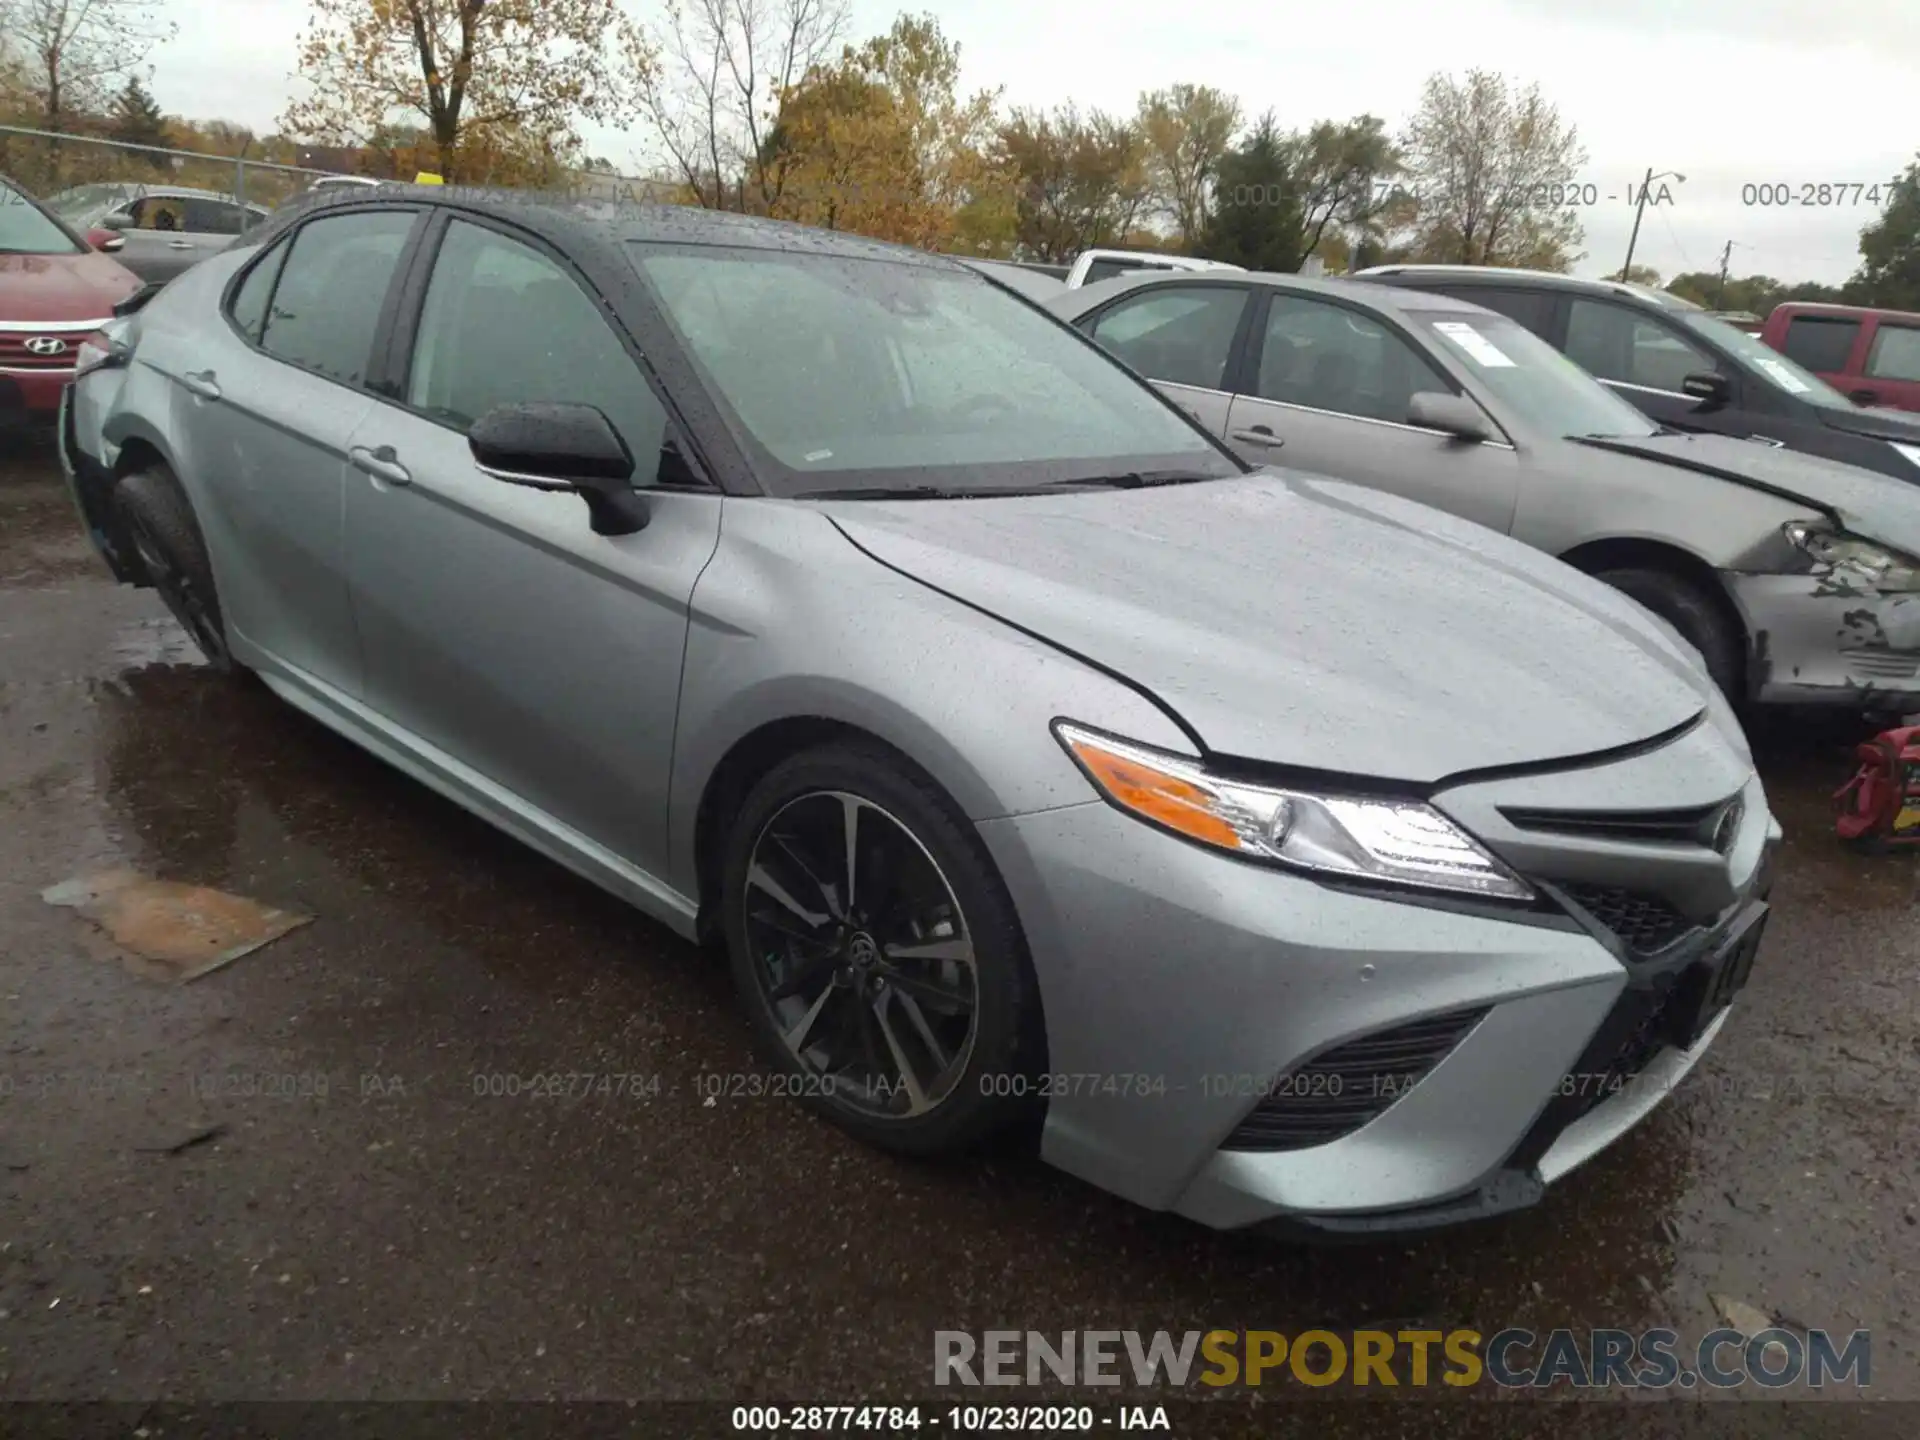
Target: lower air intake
[{"x": 1342, "y": 1089}]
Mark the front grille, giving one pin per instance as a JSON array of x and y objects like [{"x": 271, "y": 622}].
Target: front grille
[
  {"x": 14, "y": 354},
  {"x": 1671, "y": 827},
  {"x": 1342, "y": 1089},
  {"x": 1645, "y": 923}
]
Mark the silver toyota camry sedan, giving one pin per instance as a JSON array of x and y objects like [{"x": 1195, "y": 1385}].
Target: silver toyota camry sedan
[{"x": 1279, "y": 851}]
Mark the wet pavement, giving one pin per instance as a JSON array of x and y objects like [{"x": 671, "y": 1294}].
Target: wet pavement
[{"x": 293, "y": 1179}]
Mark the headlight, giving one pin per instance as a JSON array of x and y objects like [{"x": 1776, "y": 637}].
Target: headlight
[
  {"x": 1885, "y": 570},
  {"x": 1355, "y": 837},
  {"x": 105, "y": 349}
]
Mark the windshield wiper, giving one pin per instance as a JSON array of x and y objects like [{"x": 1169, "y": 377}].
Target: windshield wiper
[
  {"x": 1136, "y": 480},
  {"x": 898, "y": 492}
]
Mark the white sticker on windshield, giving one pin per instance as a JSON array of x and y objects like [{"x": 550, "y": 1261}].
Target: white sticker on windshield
[
  {"x": 1912, "y": 452},
  {"x": 1473, "y": 342},
  {"x": 1783, "y": 377}
]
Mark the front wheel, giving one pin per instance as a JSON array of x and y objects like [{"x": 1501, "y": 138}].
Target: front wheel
[
  {"x": 877, "y": 952},
  {"x": 1701, "y": 622},
  {"x": 173, "y": 554}
]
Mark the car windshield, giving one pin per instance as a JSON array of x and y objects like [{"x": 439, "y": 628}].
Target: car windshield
[
  {"x": 25, "y": 230},
  {"x": 847, "y": 374},
  {"x": 1756, "y": 357},
  {"x": 1546, "y": 390},
  {"x": 83, "y": 202}
]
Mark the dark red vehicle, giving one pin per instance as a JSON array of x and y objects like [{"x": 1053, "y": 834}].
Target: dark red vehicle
[
  {"x": 1870, "y": 356},
  {"x": 55, "y": 292}
]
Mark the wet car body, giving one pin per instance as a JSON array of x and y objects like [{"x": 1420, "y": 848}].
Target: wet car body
[
  {"x": 1706, "y": 516},
  {"x": 621, "y": 698}
]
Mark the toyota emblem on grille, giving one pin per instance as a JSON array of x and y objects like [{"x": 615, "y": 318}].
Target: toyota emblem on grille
[{"x": 46, "y": 345}]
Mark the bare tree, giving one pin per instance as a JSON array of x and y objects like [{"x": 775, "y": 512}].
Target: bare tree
[
  {"x": 74, "y": 49},
  {"x": 714, "y": 97},
  {"x": 1484, "y": 161}
]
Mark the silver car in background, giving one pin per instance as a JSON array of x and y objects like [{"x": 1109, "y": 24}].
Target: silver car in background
[
  {"x": 166, "y": 228},
  {"x": 1794, "y": 577},
  {"x": 1283, "y": 850}
]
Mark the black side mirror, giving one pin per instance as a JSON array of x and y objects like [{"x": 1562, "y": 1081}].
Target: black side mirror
[
  {"x": 1453, "y": 415},
  {"x": 1709, "y": 387},
  {"x": 563, "y": 447}
]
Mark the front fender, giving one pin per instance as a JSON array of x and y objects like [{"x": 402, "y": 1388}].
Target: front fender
[{"x": 790, "y": 621}]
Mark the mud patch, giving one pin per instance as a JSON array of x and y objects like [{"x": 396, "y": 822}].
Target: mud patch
[{"x": 169, "y": 931}]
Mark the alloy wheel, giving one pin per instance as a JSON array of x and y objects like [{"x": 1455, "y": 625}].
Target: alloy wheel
[
  {"x": 862, "y": 954},
  {"x": 175, "y": 586}
]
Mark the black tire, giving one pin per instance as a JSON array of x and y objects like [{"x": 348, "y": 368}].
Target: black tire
[
  {"x": 172, "y": 556},
  {"x": 1700, "y": 619},
  {"x": 994, "y": 1093}
]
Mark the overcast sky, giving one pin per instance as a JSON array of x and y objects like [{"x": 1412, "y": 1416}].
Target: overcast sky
[{"x": 1727, "y": 92}]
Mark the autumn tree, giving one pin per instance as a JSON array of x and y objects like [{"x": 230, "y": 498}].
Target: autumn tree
[
  {"x": 1082, "y": 180},
  {"x": 1184, "y": 132},
  {"x": 1889, "y": 273},
  {"x": 881, "y": 143},
  {"x": 496, "y": 84},
  {"x": 713, "y": 97},
  {"x": 1484, "y": 160}
]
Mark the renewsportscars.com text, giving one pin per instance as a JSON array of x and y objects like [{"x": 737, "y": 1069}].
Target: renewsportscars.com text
[{"x": 1512, "y": 1358}]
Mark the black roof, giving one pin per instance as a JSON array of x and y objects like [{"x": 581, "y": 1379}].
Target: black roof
[
  {"x": 558, "y": 214},
  {"x": 1527, "y": 279}
]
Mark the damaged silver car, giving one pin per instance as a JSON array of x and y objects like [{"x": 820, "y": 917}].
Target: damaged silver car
[{"x": 1793, "y": 577}]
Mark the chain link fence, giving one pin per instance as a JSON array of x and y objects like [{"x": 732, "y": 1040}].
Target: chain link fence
[
  {"x": 72, "y": 172},
  {"x": 52, "y": 166}
]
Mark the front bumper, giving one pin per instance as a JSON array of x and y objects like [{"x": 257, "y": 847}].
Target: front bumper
[
  {"x": 1177, "y": 983},
  {"x": 31, "y": 396},
  {"x": 1814, "y": 643},
  {"x": 91, "y": 484}
]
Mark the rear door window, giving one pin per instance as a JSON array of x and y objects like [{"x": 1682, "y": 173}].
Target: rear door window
[
  {"x": 213, "y": 217},
  {"x": 327, "y": 306},
  {"x": 1896, "y": 353},
  {"x": 1822, "y": 343}
]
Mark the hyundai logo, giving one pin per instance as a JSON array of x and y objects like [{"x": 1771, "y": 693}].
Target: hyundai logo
[{"x": 46, "y": 345}]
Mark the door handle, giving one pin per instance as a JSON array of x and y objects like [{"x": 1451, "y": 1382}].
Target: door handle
[
  {"x": 1259, "y": 435},
  {"x": 179, "y": 245},
  {"x": 382, "y": 464},
  {"x": 202, "y": 383}
]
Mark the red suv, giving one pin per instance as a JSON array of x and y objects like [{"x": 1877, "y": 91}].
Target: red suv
[
  {"x": 1871, "y": 356},
  {"x": 55, "y": 292}
]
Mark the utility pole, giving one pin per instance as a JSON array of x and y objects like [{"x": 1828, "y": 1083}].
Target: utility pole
[
  {"x": 1639, "y": 209},
  {"x": 1720, "y": 294}
]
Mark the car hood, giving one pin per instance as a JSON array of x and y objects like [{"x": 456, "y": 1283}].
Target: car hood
[
  {"x": 62, "y": 287},
  {"x": 1876, "y": 422},
  {"x": 1309, "y": 622},
  {"x": 1865, "y": 502}
]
